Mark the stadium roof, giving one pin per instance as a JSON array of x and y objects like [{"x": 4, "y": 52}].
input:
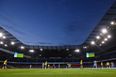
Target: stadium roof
[
  {"x": 104, "y": 23},
  {"x": 11, "y": 38}
]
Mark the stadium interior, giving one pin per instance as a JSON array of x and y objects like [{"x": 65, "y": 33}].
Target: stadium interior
[{"x": 100, "y": 46}]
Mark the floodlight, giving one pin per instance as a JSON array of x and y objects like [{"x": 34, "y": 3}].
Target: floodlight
[
  {"x": 22, "y": 47},
  {"x": 31, "y": 50},
  {"x": 1, "y": 34},
  {"x": 92, "y": 42},
  {"x": 67, "y": 49},
  {"x": 112, "y": 22},
  {"x": 97, "y": 37},
  {"x": 41, "y": 49},
  {"x": 106, "y": 39},
  {"x": 12, "y": 43},
  {"x": 104, "y": 31},
  {"x": 102, "y": 42},
  {"x": 4, "y": 37},
  {"x": 85, "y": 47},
  {"x": 109, "y": 36},
  {"x": 1, "y": 42},
  {"x": 77, "y": 50},
  {"x": 5, "y": 45}
]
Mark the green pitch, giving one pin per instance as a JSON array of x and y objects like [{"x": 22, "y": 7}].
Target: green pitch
[{"x": 58, "y": 73}]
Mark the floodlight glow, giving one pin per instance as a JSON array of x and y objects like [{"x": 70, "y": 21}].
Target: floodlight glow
[
  {"x": 106, "y": 39},
  {"x": 109, "y": 36},
  {"x": 22, "y": 47},
  {"x": 67, "y": 49},
  {"x": 112, "y": 23},
  {"x": 12, "y": 43},
  {"x": 1, "y": 42},
  {"x": 5, "y": 45},
  {"x": 4, "y": 37},
  {"x": 41, "y": 49},
  {"x": 85, "y": 47},
  {"x": 97, "y": 37},
  {"x": 92, "y": 42},
  {"x": 104, "y": 31},
  {"x": 31, "y": 50},
  {"x": 102, "y": 42},
  {"x": 1, "y": 34},
  {"x": 77, "y": 50}
]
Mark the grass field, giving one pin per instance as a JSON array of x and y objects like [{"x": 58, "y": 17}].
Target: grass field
[{"x": 58, "y": 73}]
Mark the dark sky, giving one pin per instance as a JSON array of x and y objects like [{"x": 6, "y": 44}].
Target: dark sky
[{"x": 52, "y": 21}]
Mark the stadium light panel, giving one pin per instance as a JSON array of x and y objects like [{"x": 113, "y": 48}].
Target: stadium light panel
[
  {"x": 102, "y": 42},
  {"x": 98, "y": 37},
  {"x": 4, "y": 37},
  {"x": 41, "y": 49},
  {"x": 85, "y": 47},
  {"x": 112, "y": 22},
  {"x": 104, "y": 31},
  {"x": 109, "y": 36},
  {"x": 1, "y": 42},
  {"x": 31, "y": 50},
  {"x": 22, "y": 47},
  {"x": 5, "y": 45},
  {"x": 92, "y": 42},
  {"x": 67, "y": 49},
  {"x": 106, "y": 39},
  {"x": 77, "y": 50},
  {"x": 12, "y": 43},
  {"x": 1, "y": 34}
]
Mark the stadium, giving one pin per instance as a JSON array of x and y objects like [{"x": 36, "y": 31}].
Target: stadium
[{"x": 95, "y": 57}]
